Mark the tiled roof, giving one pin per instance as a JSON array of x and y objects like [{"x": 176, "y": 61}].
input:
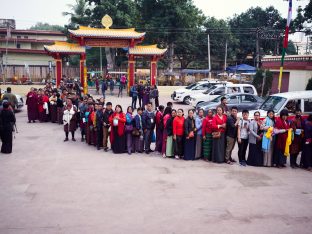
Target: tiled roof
[
  {"x": 107, "y": 33},
  {"x": 147, "y": 50},
  {"x": 65, "y": 47}
]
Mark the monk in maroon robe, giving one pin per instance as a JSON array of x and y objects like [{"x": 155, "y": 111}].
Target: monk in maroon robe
[{"x": 32, "y": 105}]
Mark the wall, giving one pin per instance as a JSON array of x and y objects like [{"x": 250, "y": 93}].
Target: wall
[
  {"x": 29, "y": 59},
  {"x": 299, "y": 79}
]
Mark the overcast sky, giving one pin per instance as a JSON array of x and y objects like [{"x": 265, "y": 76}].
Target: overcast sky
[{"x": 27, "y": 13}]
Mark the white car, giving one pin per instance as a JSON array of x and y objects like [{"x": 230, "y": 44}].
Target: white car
[
  {"x": 221, "y": 89},
  {"x": 183, "y": 94}
]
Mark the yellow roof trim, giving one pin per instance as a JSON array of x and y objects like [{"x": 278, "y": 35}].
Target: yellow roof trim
[
  {"x": 63, "y": 46},
  {"x": 147, "y": 50}
]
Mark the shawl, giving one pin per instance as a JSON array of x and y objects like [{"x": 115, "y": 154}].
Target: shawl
[
  {"x": 68, "y": 115},
  {"x": 288, "y": 143},
  {"x": 267, "y": 137},
  {"x": 121, "y": 125}
]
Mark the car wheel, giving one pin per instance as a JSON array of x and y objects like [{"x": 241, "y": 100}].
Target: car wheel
[{"x": 187, "y": 100}]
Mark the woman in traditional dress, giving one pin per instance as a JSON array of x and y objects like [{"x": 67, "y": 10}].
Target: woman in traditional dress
[
  {"x": 129, "y": 129},
  {"x": 190, "y": 134},
  {"x": 255, "y": 155},
  {"x": 207, "y": 136},
  {"x": 138, "y": 132},
  {"x": 159, "y": 128},
  {"x": 306, "y": 156},
  {"x": 218, "y": 126},
  {"x": 199, "y": 137},
  {"x": 268, "y": 139},
  {"x": 118, "y": 139},
  {"x": 53, "y": 107},
  {"x": 169, "y": 131},
  {"x": 166, "y": 117},
  {"x": 89, "y": 124},
  {"x": 281, "y": 129},
  {"x": 42, "y": 106},
  {"x": 178, "y": 134},
  {"x": 296, "y": 145},
  {"x": 69, "y": 119}
]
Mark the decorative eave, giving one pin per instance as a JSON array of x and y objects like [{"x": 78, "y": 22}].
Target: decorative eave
[
  {"x": 147, "y": 50},
  {"x": 65, "y": 47},
  {"x": 106, "y": 33}
]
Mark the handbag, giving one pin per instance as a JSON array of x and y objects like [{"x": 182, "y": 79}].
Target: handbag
[
  {"x": 129, "y": 128},
  {"x": 216, "y": 135},
  {"x": 135, "y": 132}
]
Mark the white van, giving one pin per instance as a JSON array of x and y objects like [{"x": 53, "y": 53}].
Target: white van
[
  {"x": 289, "y": 100},
  {"x": 221, "y": 89},
  {"x": 183, "y": 94}
]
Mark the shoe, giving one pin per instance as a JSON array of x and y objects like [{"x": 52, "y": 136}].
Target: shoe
[
  {"x": 129, "y": 153},
  {"x": 82, "y": 139},
  {"x": 164, "y": 156},
  {"x": 151, "y": 151},
  {"x": 73, "y": 139},
  {"x": 106, "y": 149},
  {"x": 241, "y": 163},
  {"x": 177, "y": 157},
  {"x": 233, "y": 160},
  {"x": 66, "y": 139},
  {"x": 147, "y": 152},
  {"x": 98, "y": 148},
  {"x": 228, "y": 162},
  {"x": 244, "y": 164},
  {"x": 29, "y": 121},
  {"x": 293, "y": 166},
  {"x": 34, "y": 121}
]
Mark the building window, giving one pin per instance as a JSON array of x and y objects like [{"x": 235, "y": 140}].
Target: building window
[
  {"x": 18, "y": 36},
  {"x": 25, "y": 37},
  {"x": 18, "y": 45}
]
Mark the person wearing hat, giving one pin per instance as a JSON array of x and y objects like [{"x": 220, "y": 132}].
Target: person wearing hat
[{"x": 7, "y": 121}]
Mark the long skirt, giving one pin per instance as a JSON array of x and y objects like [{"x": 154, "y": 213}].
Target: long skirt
[
  {"x": 169, "y": 146},
  {"x": 218, "y": 149},
  {"x": 189, "y": 148},
  {"x": 119, "y": 142},
  {"x": 164, "y": 142},
  {"x": 159, "y": 139},
  {"x": 207, "y": 147},
  {"x": 255, "y": 155},
  {"x": 138, "y": 144},
  {"x": 306, "y": 156},
  {"x": 32, "y": 112},
  {"x": 130, "y": 143},
  {"x": 43, "y": 117},
  {"x": 268, "y": 155},
  {"x": 7, "y": 139},
  {"x": 198, "y": 149},
  {"x": 53, "y": 113},
  {"x": 60, "y": 115},
  {"x": 178, "y": 146}
]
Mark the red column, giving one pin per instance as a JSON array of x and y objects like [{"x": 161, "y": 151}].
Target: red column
[
  {"x": 153, "y": 70},
  {"x": 131, "y": 69},
  {"x": 58, "y": 70},
  {"x": 83, "y": 75}
]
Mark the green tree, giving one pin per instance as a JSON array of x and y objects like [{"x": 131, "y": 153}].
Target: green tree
[
  {"x": 309, "y": 85},
  {"x": 79, "y": 14},
  {"x": 258, "y": 81},
  {"x": 46, "y": 26}
]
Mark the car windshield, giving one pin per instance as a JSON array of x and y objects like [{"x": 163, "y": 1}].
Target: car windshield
[
  {"x": 274, "y": 103},
  {"x": 191, "y": 86},
  {"x": 218, "y": 99},
  {"x": 210, "y": 89}
]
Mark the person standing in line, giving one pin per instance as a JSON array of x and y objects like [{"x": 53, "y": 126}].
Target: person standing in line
[
  {"x": 99, "y": 122},
  {"x": 178, "y": 134},
  {"x": 207, "y": 136},
  {"x": 104, "y": 87},
  {"x": 281, "y": 131},
  {"x": 159, "y": 128},
  {"x": 89, "y": 125},
  {"x": 218, "y": 135},
  {"x": 69, "y": 119},
  {"x": 199, "y": 137},
  {"x": 296, "y": 145},
  {"x": 242, "y": 137},
  {"x": 231, "y": 135},
  {"x": 140, "y": 94},
  {"x": 83, "y": 107},
  {"x": 148, "y": 122},
  {"x": 129, "y": 129},
  {"x": 32, "y": 105},
  {"x": 190, "y": 134},
  {"x": 255, "y": 156},
  {"x": 166, "y": 117},
  {"x": 117, "y": 121},
  {"x": 7, "y": 121},
  {"x": 268, "y": 139},
  {"x": 169, "y": 130},
  {"x": 134, "y": 95},
  {"x": 53, "y": 107},
  {"x": 138, "y": 132},
  {"x": 107, "y": 114}
]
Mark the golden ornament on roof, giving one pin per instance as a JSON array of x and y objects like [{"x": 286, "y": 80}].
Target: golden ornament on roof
[{"x": 107, "y": 21}]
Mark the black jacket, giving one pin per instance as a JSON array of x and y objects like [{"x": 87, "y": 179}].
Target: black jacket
[
  {"x": 231, "y": 129},
  {"x": 7, "y": 120},
  {"x": 169, "y": 126},
  {"x": 106, "y": 116},
  {"x": 189, "y": 126}
]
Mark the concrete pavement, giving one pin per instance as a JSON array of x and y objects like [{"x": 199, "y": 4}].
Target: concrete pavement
[{"x": 48, "y": 186}]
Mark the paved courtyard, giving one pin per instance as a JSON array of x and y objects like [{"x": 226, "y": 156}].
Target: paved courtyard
[{"x": 48, "y": 186}]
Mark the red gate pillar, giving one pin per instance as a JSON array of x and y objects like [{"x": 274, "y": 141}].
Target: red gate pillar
[
  {"x": 153, "y": 70},
  {"x": 83, "y": 74},
  {"x": 58, "y": 65},
  {"x": 131, "y": 68}
]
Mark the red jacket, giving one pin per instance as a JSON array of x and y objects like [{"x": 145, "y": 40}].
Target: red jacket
[
  {"x": 207, "y": 125},
  {"x": 121, "y": 124},
  {"x": 218, "y": 121},
  {"x": 178, "y": 126},
  {"x": 281, "y": 137}
]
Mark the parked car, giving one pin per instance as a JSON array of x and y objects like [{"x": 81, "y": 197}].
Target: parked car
[
  {"x": 183, "y": 94},
  {"x": 221, "y": 89},
  {"x": 242, "y": 101},
  {"x": 20, "y": 101},
  {"x": 289, "y": 100}
]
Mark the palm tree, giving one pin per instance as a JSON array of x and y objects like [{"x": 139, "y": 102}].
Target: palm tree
[{"x": 79, "y": 14}]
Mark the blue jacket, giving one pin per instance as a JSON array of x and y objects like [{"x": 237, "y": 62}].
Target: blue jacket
[{"x": 148, "y": 120}]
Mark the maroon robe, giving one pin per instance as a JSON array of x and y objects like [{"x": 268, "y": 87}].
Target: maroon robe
[{"x": 32, "y": 106}]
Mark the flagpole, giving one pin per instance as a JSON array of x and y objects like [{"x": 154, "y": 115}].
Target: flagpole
[{"x": 285, "y": 45}]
